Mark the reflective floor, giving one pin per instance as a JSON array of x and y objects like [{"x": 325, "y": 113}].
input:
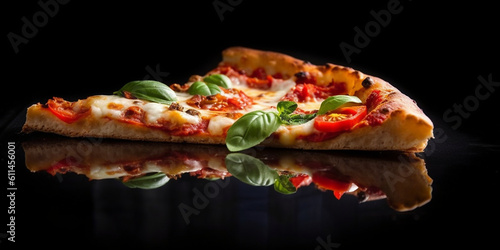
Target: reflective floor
[{"x": 93, "y": 192}]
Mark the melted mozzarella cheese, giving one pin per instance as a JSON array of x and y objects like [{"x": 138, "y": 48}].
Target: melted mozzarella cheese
[
  {"x": 288, "y": 134},
  {"x": 177, "y": 118},
  {"x": 309, "y": 106},
  {"x": 114, "y": 106},
  {"x": 265, "y": 99},
  {"x": 218, "y": 124},
  {"x": 109, "y": 106},
  {"x": 153, "y": 111},
  {"x": 272, "y": 96}
]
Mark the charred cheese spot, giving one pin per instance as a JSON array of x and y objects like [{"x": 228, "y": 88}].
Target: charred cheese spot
[{"x": 113, "y": 105}]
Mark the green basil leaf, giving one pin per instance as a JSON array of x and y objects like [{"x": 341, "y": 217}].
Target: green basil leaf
[
  {"x": 251, "y": 129},
  {"x": 250, "y": 170},
  {"x": 148, "y": 181},
  {"x": 219, "y": 80},
  {"x": 284, "y": 185},
  {"x": 201, "y": 88},
  {"x": 297, "y": 119},
  {"x": 335, "y": 102},
  {"x": 149, "y": 90},
  {"x": 286, "y": 108}
]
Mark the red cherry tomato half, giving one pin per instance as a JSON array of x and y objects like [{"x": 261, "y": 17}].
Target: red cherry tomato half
[
  {"x": 341, "y": 120},
  {"x": 66, "y": 111}
]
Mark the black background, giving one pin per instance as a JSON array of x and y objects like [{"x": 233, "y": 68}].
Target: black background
[{"x": 432, "y": 52}]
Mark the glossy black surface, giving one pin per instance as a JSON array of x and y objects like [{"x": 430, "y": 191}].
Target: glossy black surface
[
  {"x": 67, "y": 208},
  {"x": 439, "y": 55}
]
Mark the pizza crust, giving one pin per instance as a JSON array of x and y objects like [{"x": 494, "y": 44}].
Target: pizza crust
[
  {"x": 41, "y": 119},
  {"x": 407, "y": 128}
]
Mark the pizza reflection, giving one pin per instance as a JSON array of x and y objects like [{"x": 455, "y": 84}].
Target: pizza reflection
[{"x": 400, "y": 178}]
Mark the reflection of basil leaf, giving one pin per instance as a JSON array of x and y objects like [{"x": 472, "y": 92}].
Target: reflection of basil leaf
[
  {"x": 250, "y": 170},
  {"x": 148, "y": 181},
  {"x": 251, "y": 129},
  {"x": 148, "y": 90},
  {"x": 284, "y": 185},
  {"x": 334, "y": 102},
  {"x": 219, "y": 80},
  {"x": 205, "y": 89},
  {"x": 253, "y": 171}
]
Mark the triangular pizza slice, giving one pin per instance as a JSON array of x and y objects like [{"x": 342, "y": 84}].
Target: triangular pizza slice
[{"x": 251, "y": 98}]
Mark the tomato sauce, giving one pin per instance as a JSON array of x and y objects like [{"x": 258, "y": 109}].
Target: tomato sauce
[
  {"x": 133, "y": 115},
  {"x": 181, "y": 129},
  {"x": 304, "y": 92},
  {"x": 231, "y": 100},
  {"x": 374, "y": 99},
  {"x": 376, "y": 118}
]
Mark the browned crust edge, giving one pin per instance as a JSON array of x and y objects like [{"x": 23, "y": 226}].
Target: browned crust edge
[
  {"x": 402, "y": 111},
  {"x": 41, "y": 119}
]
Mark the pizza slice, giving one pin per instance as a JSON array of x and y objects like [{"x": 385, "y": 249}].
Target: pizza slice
[{"x": 251, "y": 98}]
